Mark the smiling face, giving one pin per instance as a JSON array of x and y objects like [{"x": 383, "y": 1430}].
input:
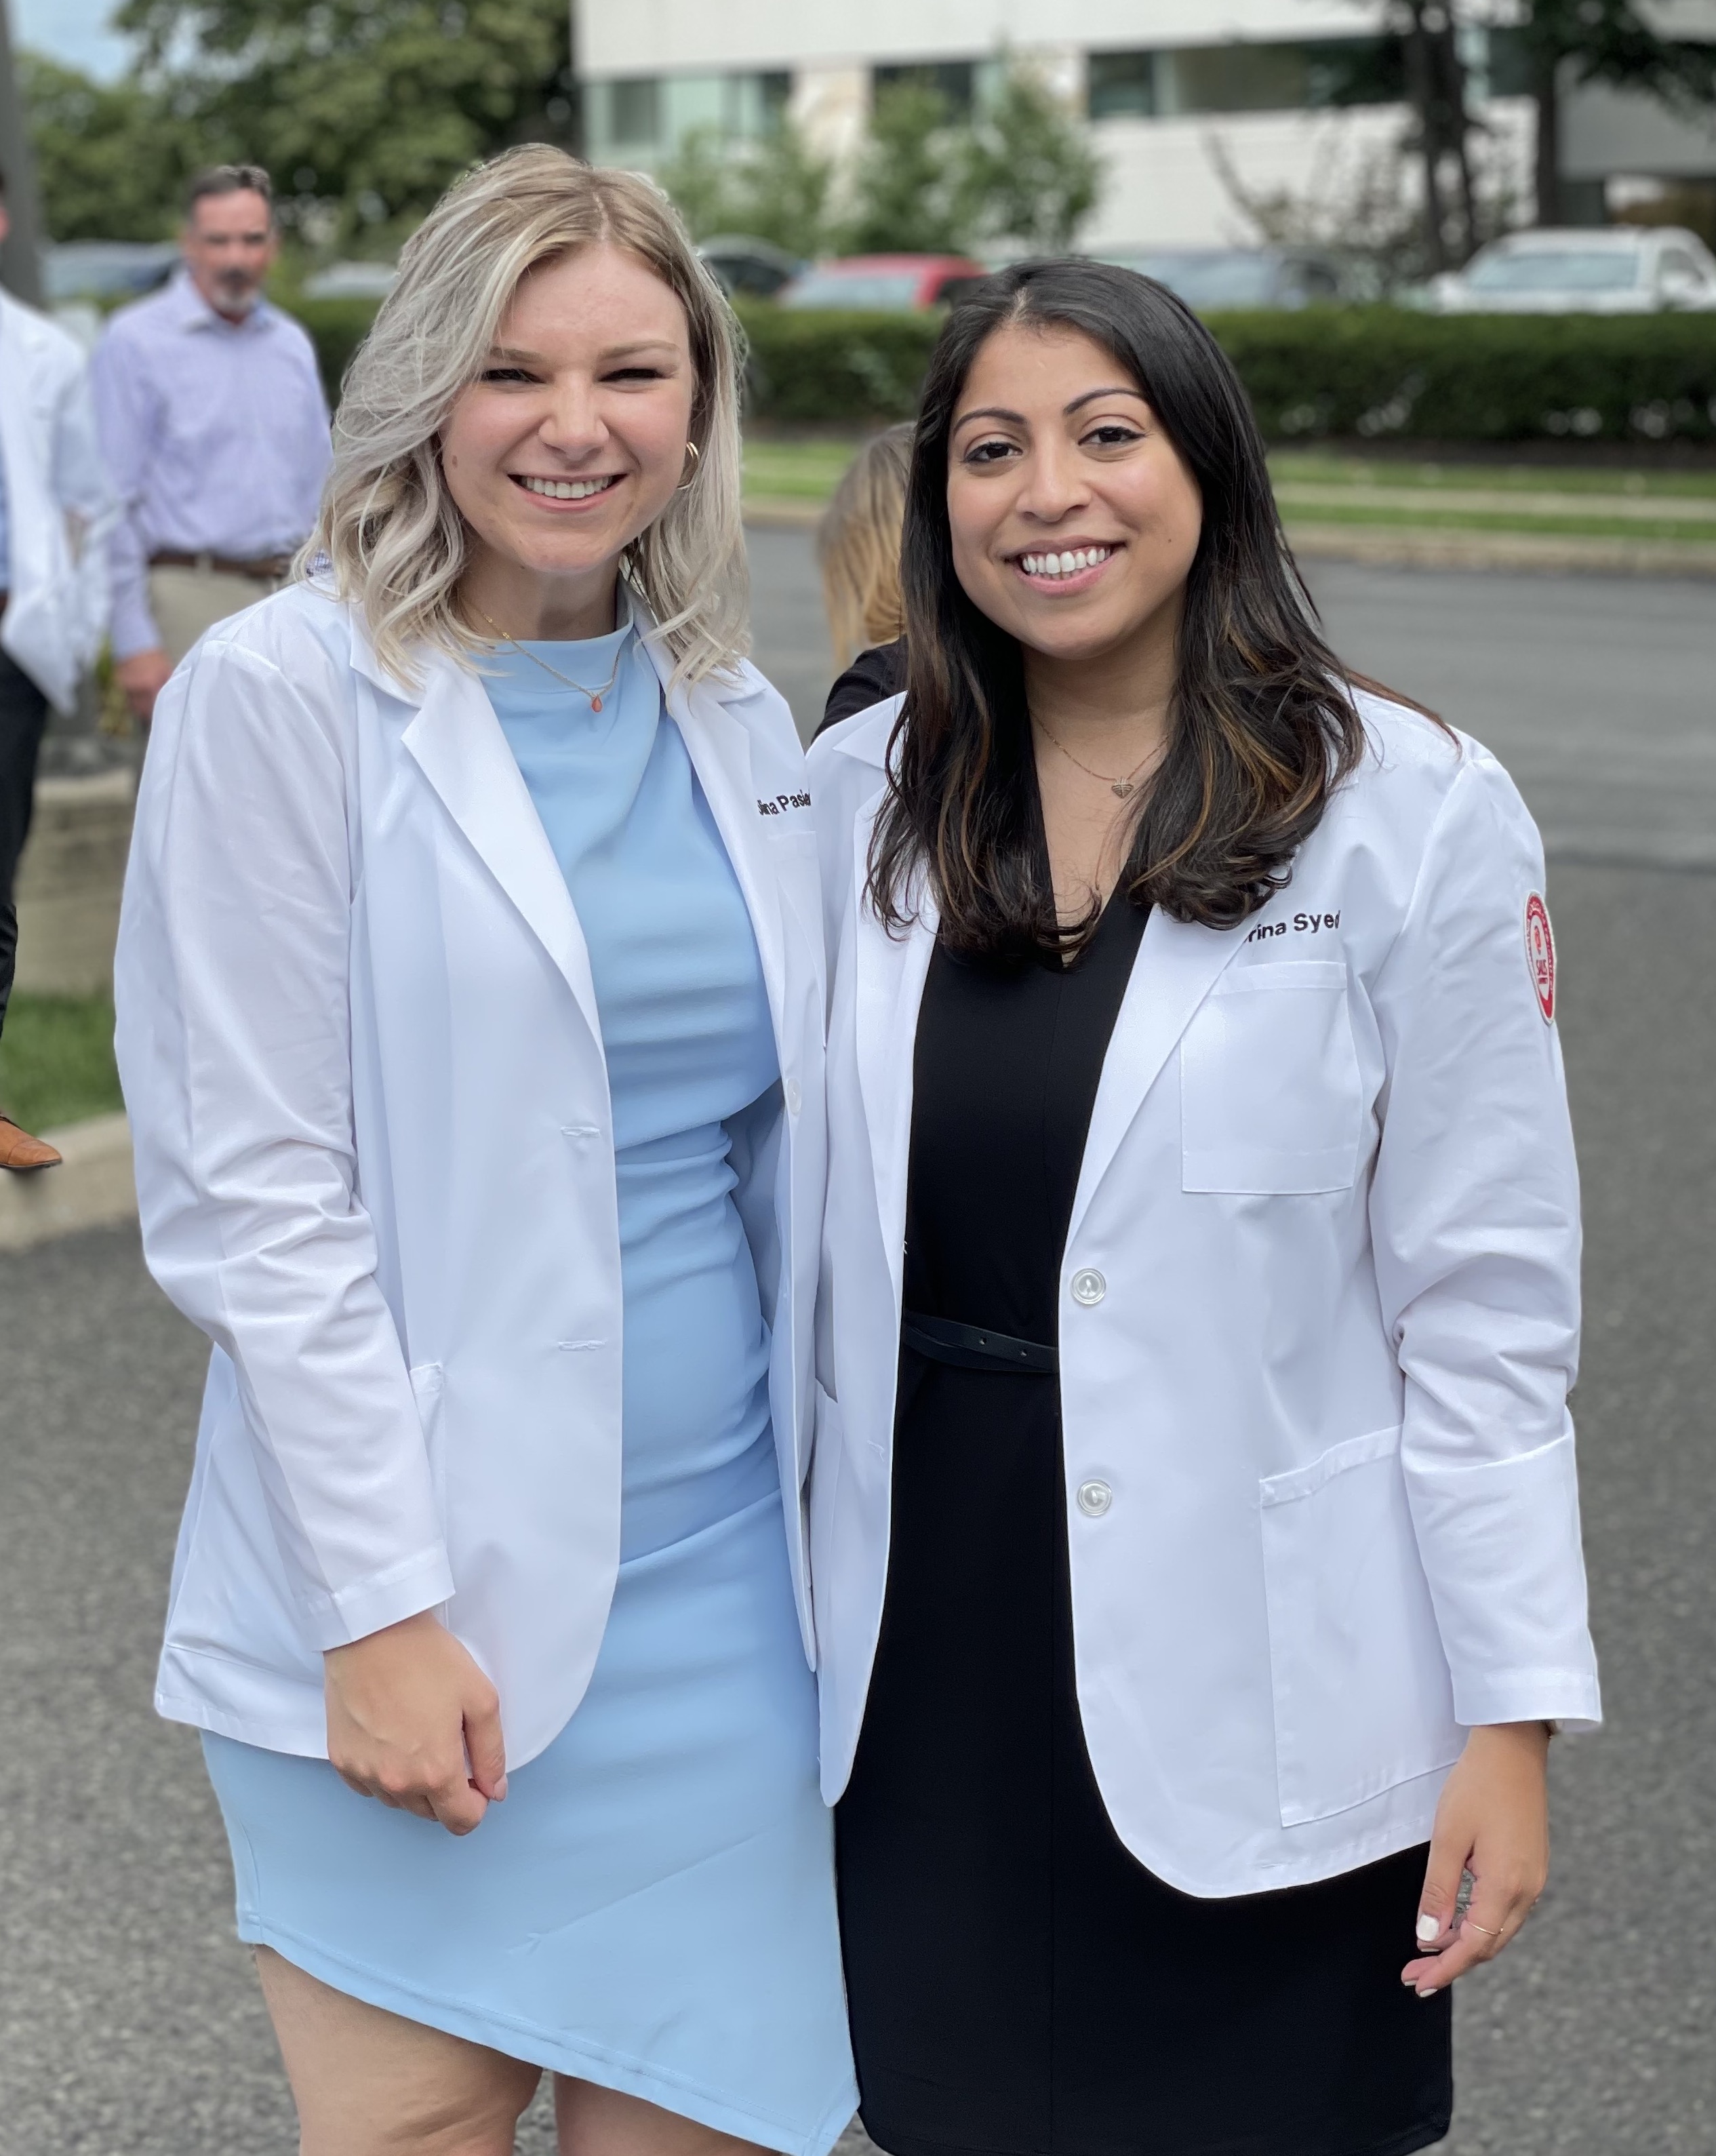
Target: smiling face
[
  {"x": 571, "y": 441},
  {"x": 1074, "y": 520}
]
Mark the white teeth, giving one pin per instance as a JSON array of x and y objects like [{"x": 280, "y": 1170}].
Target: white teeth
[
  {"x": 1066, "y": 564},
  {"x": 567, "y": 490}
]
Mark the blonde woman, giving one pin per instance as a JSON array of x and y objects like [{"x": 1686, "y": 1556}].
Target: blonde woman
[
  {"x": 470, "y": 989},
  {"x": 858, "y": 549}
]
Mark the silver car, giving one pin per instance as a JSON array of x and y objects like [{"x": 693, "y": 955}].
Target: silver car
[{"x": 1619, "y": 269}]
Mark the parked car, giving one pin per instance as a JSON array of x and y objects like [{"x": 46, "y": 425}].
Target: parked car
[
  {"x": 1212, "y": 277},
  {"x": 1619, "y": 269},
  {"x": 351, "y": 280},
  {"x": 105, "y": 269},
  {"x": 748, "y": 269},
  {"x": 901, "y": 283}
]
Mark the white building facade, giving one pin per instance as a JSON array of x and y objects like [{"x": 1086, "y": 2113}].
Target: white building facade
[{"x": 1197, "y": 106}]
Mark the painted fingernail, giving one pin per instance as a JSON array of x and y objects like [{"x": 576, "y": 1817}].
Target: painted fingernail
[
  {"x": 1428, "y": 1928},
  {"x": 1427, "y": 1991}
]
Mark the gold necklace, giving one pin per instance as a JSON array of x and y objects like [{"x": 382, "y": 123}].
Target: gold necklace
[
  {"x": 595, "y": 695},
  {"x": 1125, "y": 788}
]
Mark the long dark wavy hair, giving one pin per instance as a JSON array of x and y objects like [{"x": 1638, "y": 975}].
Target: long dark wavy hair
[{"x": 1262, "y": 727}]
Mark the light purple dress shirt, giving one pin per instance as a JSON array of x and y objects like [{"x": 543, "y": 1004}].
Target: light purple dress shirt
[{"x": 216, "y": 433}]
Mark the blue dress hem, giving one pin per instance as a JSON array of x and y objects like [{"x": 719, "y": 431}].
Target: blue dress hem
[{"x": 554, "y": 2052}]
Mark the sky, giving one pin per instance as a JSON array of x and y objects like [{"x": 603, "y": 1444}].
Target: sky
[{"x": 74, "y": 31}]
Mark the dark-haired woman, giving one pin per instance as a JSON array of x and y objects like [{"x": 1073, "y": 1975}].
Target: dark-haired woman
[{"x": 1195, "y": 1525}]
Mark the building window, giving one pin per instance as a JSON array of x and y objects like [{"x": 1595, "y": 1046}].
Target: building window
[
  {"x": 953, "y": 81},
  {"x": 1310, "y": 74},
  {"x": 647, "y": 117},
  {"x": 1122, "y": 86}
]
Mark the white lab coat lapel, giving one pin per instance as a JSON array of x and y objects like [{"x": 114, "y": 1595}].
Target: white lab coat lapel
[
  {"x": 890, "y": 972},
  {"x": 459, "y": 745},
  {"x": 719, "y": 745},
  {"x": 1178, "y": 964}
]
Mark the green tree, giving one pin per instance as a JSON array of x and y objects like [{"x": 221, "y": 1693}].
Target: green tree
[
  {"x": 1031, "y": 174},
  {"x": 912, "y": 191},
  {"x": 776, "y": 189},
  {"x": 363, "y": 110},
  {"x": 110, "y": 157},
  {"x": 1607, "y": 41}
]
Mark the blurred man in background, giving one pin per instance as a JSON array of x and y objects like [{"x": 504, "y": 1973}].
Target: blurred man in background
[
  {"x": 216, "y": 429},
  {"x": 55, "y": 508}
]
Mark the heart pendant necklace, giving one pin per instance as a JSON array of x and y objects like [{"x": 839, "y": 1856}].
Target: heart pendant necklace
[
  {"x": 1124, "y": 787},
  {"x": 595, "y": 695}
]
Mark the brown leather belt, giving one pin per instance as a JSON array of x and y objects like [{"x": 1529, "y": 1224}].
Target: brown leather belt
[{"x": 260, "y": 568}]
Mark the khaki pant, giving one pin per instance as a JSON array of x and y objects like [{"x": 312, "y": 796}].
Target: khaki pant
[{"x": 187, "y": 601}]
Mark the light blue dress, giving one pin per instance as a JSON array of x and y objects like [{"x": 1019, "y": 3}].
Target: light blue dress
[{"x": 652, "y": 1907}]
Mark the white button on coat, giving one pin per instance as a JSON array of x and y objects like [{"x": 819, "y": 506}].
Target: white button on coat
[
  {"x": 794, "y": 1097},
  {"x": 1094, "y": 1498},
  {"x": 374, "y": 1164},
  {"x": 1324, "y": 1318}
]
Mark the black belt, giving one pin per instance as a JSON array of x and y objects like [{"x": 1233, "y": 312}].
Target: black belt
[
  {"x": 974, "y": 1346},
  {"x": 259, "y": 568}
]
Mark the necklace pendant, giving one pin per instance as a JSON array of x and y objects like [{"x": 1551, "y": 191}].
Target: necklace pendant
[
  {"x": 1122, "y": 786},
  {"x": 595, "y": 703}
]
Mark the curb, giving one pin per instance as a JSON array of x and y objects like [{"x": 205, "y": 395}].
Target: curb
[
  {"x": 92, "y": 1188},
  {"x": 774, "y": 515},
  {"x": 1500, "y": 550}
]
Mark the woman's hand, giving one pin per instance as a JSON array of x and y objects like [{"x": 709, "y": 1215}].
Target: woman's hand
[
  {"x": 412, "y": 1720},
  {"x": 1492, "y": 1821}
]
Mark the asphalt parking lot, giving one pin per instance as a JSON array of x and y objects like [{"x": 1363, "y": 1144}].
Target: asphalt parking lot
[{"x": 128, "y": 2024}]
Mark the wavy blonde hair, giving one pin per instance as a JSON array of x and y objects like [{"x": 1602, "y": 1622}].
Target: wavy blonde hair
[
  {"x": 389, "y": 532},
  {"x": 858, "y": 546}
]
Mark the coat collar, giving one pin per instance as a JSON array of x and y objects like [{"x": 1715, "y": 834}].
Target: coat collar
[
  {"x": 1178, "y": 964},
  {"x": 458, "y": 743}
]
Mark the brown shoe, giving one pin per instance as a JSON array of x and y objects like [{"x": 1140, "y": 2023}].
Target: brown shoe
[{"x": 22, "y": 1154}]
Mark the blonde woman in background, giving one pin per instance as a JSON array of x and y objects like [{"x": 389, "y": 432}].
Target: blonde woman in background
[
  {"x": 471, "y": 990},
  {"x": 858, "y": 550}
]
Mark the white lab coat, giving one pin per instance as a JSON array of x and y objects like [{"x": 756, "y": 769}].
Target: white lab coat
[
  {"x": 59, "y": 505},
  {"x": 1318, "y": 1320},
  {"x": 360, "y": 1051}
]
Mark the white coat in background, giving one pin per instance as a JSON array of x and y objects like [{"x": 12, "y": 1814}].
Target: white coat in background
[
  {"x": 1318, "y": 1317},
  {"x": 59, "y": 505},
  {"x": 362, "y": 1054}
]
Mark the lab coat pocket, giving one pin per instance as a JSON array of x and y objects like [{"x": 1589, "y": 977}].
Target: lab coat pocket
[
  {"x": 1269, "y": 1085},
  {"x": 1362, "y": 1697}
]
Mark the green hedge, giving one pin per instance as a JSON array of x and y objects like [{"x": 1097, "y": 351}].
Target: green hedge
[
  {"x": 1388, "y": 374},
  {"x": 336, "y": 328},
  {"x": 813, "y": 366},
  {"x": 1381, "y": 373}
]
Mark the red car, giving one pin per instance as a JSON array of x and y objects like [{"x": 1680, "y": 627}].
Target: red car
[{"x": 892, "y": 283}]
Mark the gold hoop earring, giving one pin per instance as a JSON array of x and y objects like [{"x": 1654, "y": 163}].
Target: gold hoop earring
[{"x": 696, "y": 457}]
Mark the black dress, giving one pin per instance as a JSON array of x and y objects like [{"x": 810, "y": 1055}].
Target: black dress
[
  {"x": 1018, "y": 1982},
  {"x": 873, "y": 676}
]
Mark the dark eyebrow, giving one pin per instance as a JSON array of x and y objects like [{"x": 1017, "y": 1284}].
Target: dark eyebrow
[
  {"x": 1117, "y": 389},
  {"x": 1017, "y": 419}
]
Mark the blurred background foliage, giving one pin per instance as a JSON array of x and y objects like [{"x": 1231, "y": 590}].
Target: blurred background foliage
[
  {"x": 314, "y": 90},
  {"x": 1020, "y": 170}
]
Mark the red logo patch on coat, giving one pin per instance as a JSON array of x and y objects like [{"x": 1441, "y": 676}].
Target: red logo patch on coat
[{"x": 1540, "y": 955}]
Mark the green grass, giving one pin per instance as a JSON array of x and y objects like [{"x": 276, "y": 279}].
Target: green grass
[
  {"x": 1700, "y": 532},
  {"x": 796, "y": 471},
  {"x": 1307, "y": 469},
  {"x": 56, "y": 1061},
  {"x": 808, "y": 471}
]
